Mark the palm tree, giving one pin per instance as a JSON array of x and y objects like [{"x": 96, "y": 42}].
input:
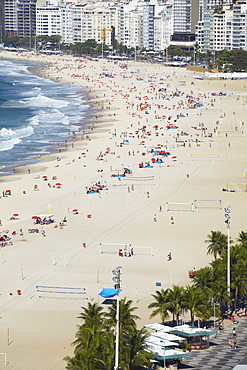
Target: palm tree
[
  {"x": 195, "y": 302},
  {"x": 175, "y": 298},
  {"x": 94, "y": 346},
  {"x": 217, "y": 243},
  {"x": 92, "y": 314},
  {"x": 135, "y": 349},
  {"x": 126, "y": 317},
  {"x": 203, "y": 279},
  {"x": 242, "y": 238},
  {"x": 161, "y": 304}
]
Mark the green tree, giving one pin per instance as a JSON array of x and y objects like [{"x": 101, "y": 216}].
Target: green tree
[
  {"x": 217, "y": 243},
  {"x": 203, "y": 279},
  {"x": 127, "y": 319},
  {"x": 135, "y": 349},
  {"x": 197, "y": 303},
  {"x": 160, "y": 305},
  {"x": 242, "y": 238},
  {"x": 175, "y": 298}
]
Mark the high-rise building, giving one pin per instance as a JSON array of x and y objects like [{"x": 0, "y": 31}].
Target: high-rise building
[
  {"x": 239, "y": 27},
  {"x": 10, "y": 18},
  {"x": 26, "y": 18}
]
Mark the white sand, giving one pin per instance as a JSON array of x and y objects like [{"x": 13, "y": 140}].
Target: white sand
[{"x": 42, "y": 325}]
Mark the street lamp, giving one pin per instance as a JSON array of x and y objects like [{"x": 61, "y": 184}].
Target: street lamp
[
  {"x": 228, "y": 224},
  {"x": 214, "y": 303},
  {"x": 117, "y": 283}
]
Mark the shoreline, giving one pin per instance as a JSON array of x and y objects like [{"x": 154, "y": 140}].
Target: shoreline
[
  {"x": 128, "y": 211},
  {"x": 83, "y": 127}
]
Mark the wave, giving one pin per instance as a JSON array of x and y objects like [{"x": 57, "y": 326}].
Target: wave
[
  {"x": 9, "y": 138},
  {"x": 42, "y": 101},
  {"x": 52, "y": 116},
  {"x": 9, "y": 144}
]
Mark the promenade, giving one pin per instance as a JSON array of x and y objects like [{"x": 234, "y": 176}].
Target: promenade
[{"x": 219, "y": 355}]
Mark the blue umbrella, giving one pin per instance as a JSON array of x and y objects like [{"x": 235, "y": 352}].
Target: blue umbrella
[{"x": 109, "y": 292}]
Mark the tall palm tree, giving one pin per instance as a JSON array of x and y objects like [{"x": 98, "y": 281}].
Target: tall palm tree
[
  {"x": 203, "y": 279},
  {"x": 195, "y": 302},
  {"x": 135, "y": 349},
  {"x": 242, "y": 238},
  {"x": 94, "y": 346},
  {"x": 175, "y": 298},
  {"x": 217, "y": 242},
  {"x": 127, "y": 318},
  {"x": 92, "y": 314},
  {"x": 161, "y": 304}
]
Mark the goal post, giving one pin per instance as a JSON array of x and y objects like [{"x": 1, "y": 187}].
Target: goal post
[
  {"x": 238, "y": 187},
  {"x": 112, "y": 248},
  {"x": 176, "y": 206},
  {"x": 148, "y": 251},
  {"x": 208, "y": 203}
]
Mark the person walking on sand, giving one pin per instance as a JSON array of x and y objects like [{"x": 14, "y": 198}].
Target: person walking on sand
[
  {"x": 172, "y": 220},
  {"x": 155, "y": 218},
  {"x": 169, "y": 256}
]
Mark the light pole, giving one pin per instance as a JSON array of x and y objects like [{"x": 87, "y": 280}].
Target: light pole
[
  {"x": 214, "y": 303},
  {"x": 228, "y": 223},
  {"x": 117, "y": 283}
]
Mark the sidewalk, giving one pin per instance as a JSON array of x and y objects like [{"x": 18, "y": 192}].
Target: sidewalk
[{"x": 219, "y": 355}]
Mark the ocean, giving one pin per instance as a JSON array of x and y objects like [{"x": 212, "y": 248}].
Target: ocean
[{"x": 35, "y": 113}]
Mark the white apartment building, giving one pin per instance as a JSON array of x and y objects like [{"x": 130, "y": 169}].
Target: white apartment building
[
  {"x": 76, "y": 22},
  {"x": 219, "y": 29},
  {"x": 48, "y": 21},
  {"x": 131, "y": 36},
  {"x": 163, "y": 28}
]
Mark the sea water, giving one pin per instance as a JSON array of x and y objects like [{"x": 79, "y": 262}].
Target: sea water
[{"x": 35, "y": 113}]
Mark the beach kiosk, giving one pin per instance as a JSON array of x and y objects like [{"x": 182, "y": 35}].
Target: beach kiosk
[{"x": 198, "y": 338}]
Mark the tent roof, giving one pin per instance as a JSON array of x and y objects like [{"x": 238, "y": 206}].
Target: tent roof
[
  {"x": 160, "y": 353},
  {"x": 191, "y": 331},
  {"x": 167, "y": 336},
  {"x": 159, "y": 327},
  {"x": 151, "y": 340}
]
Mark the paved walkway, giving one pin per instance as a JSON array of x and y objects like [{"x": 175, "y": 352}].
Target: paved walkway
[{"x": 219, "y": 355}]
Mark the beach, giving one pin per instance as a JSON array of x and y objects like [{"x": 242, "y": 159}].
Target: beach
[{"x": 165, "y": 203}]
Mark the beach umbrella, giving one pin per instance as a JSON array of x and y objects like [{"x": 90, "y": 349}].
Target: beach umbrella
[
  {"x": 44, "y": 177},
  {"x": 35, "y": 217},
  {"x": 16, "y": 214},
  {"x": 58, "y": 184}
]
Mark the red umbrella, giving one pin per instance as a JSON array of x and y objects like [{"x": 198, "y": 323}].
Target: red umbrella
[
  {"x": 35, "y": 217},
  {"x": 44, "y": 177},
  {"x": 15, "y": 214},
  {"x": 58, "y": 184}
]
